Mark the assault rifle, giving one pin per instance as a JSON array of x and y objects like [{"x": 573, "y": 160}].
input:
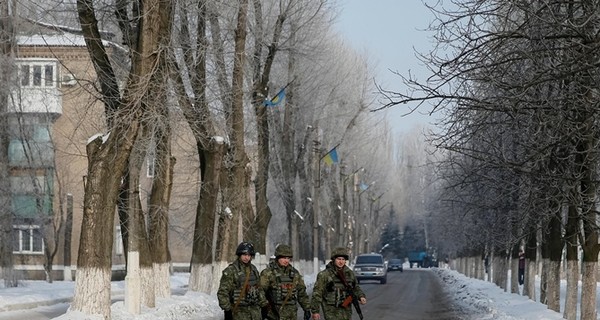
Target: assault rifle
[
  {"x": 272, "y": 304},
  {"x": 352, "y": 298}
]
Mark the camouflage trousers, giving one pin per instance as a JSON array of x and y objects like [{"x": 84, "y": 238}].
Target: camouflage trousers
[
  {"x": 288, "y": 312},
  {"x": 337, "y": 313},
  {"x": 247, "y": 313}
]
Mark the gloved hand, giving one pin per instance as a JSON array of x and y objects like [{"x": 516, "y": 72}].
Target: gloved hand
[
  {"x": 228, "y": 315},
  {"x": 264, "y": 311},
  {"x": 307, "y": 315}
]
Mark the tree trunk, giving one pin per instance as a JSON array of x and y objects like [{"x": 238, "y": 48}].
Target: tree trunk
[
  {"x": 238, "y": 170},
  {"x": 590, "y": 240},
  {"x": 6, "y": 215},
  {"x": 159, "y": 212},
  {"x": 160, "y": 197},
  {"x": 555, "y": 246},
  {"x": 572, "y": 250},
  {"x": 514, "y": 268},
  {"x": 530, "y": 261},
  {"x": 258, "y": 230},
  {"x": 210, "y": 148},
  {"x": 501, "y": 268},
  {"x": 106, "y": 164},
  {"x": 68, "y": 234},
  {"x": 107, "y": 160},
  {"x": 139, "y": 279}
]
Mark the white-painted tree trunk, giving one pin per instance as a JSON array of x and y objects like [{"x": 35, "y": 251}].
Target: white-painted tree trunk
[
  {"x": 96, "y": 282},
  {"x": 162, "y": 280},
  {"x": 543, "y": 281},
  {"x": 514, "y": 275},
  {"x": 588, "y": 291},
  {"x": 133, "y": 297},
  {"x": 572, "y": 287},
  {"x": 201, "y": 276},
  {"x": 67, "y": 274},
  {"x": 553, "y": 285},
  {"x": 530, "y": 272},
  {"x": 217, "y": 271},
  {"x": 148, "y": 285}
]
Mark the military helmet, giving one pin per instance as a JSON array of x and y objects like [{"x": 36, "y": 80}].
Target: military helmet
[
  {"x": 340, "y": 252},
  {"x": 283, "y": 250},
  {"x": 245, "y": 248}
]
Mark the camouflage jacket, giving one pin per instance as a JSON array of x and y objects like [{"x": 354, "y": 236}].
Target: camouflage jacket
[
  {"x": 329, "y": 290},
  {"x": 284, "y": 284},
  {"x": 231, "y": 292}
]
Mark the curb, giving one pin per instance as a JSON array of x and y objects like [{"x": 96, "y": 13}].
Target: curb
[{"x": 32, "y": 305}]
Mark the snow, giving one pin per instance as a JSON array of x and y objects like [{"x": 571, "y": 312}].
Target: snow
[{"x": 481, "y": 298}]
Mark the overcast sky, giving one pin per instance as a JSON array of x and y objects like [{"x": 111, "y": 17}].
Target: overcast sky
[{"x": 388, "y": 30}]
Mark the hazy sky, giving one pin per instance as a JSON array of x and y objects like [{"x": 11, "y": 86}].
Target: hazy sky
[{"x": 388, "y": 30}]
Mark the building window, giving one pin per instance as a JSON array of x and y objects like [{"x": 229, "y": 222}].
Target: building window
[
  {"x": 49, "y": 75},
  {"x": 37, "y": 74},
  {"x": 27, "y": 239}
]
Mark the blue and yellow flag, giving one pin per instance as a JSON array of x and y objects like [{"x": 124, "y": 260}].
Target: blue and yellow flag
[
  {"x": 331, "y": 157},
  {"x": 363, "y": 186},
  {"x": 276, "y": 99}
]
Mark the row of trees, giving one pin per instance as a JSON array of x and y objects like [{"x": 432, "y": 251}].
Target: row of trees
[
  {"x": 213, "y": 64},
  {"x": 518, "y": 162}
]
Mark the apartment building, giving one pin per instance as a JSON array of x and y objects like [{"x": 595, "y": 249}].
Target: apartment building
[{"x": 53, "y": 111}]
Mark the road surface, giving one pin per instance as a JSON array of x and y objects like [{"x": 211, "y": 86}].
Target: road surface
[{"x": 415, "y": 294}]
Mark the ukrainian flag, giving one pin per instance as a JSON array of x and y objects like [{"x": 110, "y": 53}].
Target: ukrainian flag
[
  {"x": 276, "y": 99},
  {"x": 331, "y": 157}
]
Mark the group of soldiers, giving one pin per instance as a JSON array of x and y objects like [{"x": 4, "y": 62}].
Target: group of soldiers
[{"x": 276, "y": 292}]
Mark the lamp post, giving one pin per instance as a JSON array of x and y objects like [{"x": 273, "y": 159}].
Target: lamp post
[
  {"x": 344, "y": 210},
  {"x": 372, "y": 223},
  {"x": 315, "y": 202},
  {"x": 364, "y": 187}
]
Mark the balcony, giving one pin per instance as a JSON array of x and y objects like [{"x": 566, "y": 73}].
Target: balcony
[
  {"x": 36, "y": 89},
  {"x": 36, "y": 100}
]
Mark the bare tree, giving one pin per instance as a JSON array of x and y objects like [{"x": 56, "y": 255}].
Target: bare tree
[
  {"x": 520, "y": 85},
  {"x": 6, "y": 233},
  {"x": 107, "y": 160}
]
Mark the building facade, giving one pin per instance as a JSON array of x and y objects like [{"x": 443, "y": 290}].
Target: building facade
[{"x": 54, "y": 109}]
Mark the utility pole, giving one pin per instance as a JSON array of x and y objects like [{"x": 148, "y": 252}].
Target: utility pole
[
  {"x": 370, "y": 226},
  {"x": 315, "y": 199}
]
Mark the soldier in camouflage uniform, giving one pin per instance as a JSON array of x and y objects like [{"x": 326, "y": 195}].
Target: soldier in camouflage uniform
[
  {"x": 330, "y": 293},
  {"x": 239, "y": 294},
  {"x": 284, "y": 287}
]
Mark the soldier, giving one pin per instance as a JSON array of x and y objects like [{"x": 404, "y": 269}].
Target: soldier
[
  {"x": 334, "y": 288},
  {"x": 284, "y": 287},
  {"x": 239, "y": 294}
]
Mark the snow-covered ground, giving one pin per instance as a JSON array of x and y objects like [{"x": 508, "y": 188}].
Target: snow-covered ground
[{"x": 481, "y": 297}]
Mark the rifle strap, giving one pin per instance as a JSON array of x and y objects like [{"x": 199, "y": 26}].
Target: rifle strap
[
  {"x": 340, "y": 275},
  {"x": 244, "y": 289}
]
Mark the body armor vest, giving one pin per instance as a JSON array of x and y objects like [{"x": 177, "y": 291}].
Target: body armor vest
[
  {"x": 251, "y": 294},
  {"x": 335, "y": 291},
  {"x": 286, "y": 287}
]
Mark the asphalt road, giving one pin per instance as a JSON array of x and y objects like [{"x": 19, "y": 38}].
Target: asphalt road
[{"x": 415, "y": 294}]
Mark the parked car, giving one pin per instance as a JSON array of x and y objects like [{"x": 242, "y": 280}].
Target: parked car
[
  {"x": 370, "y": 266},
  {"x": 395, "y": 265}
]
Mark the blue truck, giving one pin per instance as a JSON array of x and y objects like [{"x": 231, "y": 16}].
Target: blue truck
[{"x": 418, "y": 258}]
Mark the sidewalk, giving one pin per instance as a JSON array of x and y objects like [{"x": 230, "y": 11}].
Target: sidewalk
[{"x": 32, "y": 294}]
